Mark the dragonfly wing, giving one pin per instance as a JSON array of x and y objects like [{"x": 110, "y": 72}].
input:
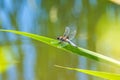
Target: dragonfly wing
[
  {"x": 67, "y": 31},
  {"x": 72, "y": 34}
]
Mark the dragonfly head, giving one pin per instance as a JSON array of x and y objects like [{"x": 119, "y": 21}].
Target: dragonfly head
[{"x": 59, "y": 38}]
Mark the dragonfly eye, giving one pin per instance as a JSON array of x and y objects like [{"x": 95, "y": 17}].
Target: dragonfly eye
[
  {"x": 58, "y": 38},
  {"x": 67, "y": 37}
]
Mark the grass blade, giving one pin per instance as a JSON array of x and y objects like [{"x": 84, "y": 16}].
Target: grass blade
[
  {"x": 110, "y": 76},
  {"x": 69, "y": 48}
]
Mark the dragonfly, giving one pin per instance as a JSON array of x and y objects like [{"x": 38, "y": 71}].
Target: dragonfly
[{"x": 68, "y": 36}]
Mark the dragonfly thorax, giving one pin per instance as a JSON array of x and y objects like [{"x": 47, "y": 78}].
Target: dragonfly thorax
[{"x": 63, "y": 38}]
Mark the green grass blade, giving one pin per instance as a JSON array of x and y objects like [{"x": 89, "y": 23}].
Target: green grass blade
[
  {"x": 69, "y": 48},
  {"x": 105, "y": 75}
]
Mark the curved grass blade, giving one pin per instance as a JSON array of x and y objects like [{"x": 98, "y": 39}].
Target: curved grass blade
[
  {"x": 105, "y": 75},
  {"x": 69, "y": 48}
]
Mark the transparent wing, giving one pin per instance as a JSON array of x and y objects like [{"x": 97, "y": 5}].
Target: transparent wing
[
  {"x": 67, "y": 31},
  {"x": 72, "y": 34}
]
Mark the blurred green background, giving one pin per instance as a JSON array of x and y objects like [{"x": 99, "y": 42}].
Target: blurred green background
[{"x": 98, "y": 29}]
